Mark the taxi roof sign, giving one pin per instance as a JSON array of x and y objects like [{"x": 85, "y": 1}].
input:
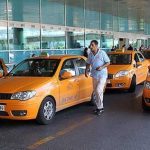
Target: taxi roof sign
[{"x": 119, "y": 50}]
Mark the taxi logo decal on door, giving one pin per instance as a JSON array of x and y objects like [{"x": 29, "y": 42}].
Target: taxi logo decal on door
[{"x": 69, "y": 99}]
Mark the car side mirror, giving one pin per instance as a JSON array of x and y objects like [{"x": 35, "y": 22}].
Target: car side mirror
[{"x": 66, "y": 75}]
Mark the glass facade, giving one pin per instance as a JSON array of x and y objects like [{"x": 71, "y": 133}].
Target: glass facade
[
  {"x": 75, "y": 14},
  {"x": 24, "y": 10},
  {"x": 24, "y": 38},
  {"x": 107, "y": 23},
  {"x": 91, "y": 36},
  {"x": 3, "y": 10},
  {"x": 52, "y": 12},
  {"x": 53, "y": 39},
  {"x": 65, "y": 27},
  {"x": 3, "y": 38}
]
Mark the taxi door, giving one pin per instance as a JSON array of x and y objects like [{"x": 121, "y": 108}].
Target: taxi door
[
  {"x": 3, "y": 69},
  {"x": 85, "y": 84},
  {"x": 142, "y": 68},
  {"x": 145, "y": 65},
  {"x": 69, "y": 88}
]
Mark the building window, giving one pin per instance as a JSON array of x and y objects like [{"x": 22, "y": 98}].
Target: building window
[{"x": 53, "y": 39}]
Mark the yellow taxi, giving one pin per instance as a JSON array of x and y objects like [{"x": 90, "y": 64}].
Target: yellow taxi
[
  {"x": 126, "y": 70},
  {"x": 38, "y": 87},
  {"x": 146, "y": 94},
  {"x": 146, "y": 54},
  {"x": 3, "y": 68}
]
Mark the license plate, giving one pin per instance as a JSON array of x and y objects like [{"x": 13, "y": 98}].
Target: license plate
[
  {"x": 2, "y": 107},
  {"x": 108, "y": 81}
]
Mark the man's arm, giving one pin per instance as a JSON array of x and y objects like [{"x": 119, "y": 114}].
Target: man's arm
[
  {"x": 87, "y": 69},
  {"x": 102, "y": 67},
  {"x": 106, "y": 60}
]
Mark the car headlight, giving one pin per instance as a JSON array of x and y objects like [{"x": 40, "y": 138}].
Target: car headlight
[
  {"x": 147, "y": 84},
  {"x": 121, "y": 74},
  {"x": 25, "y": 95}
]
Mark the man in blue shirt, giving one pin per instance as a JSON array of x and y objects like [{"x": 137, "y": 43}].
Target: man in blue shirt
[{"x": 98, "y": 60}]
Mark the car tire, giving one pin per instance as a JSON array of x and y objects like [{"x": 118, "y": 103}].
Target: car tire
[
  {"x": 144, "y": 106},
  {"x": 132, "y": 85},
  {"x": 46, "y": 111}
]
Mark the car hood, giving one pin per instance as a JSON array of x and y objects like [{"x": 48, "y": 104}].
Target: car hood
[
  {"x": 113, "y": 69},
  {"x": 16, "y": 84}
]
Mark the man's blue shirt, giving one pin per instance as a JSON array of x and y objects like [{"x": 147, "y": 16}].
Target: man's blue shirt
[{"x": 100, "y": 59}]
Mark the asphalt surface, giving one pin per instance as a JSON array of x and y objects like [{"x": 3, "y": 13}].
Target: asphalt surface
[{"x": 123, "y": 126}]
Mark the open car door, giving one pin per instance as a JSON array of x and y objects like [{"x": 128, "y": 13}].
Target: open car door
[{"x": 3, "y": 68}]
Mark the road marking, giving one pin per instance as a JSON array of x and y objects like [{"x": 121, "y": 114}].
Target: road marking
[{"x": 59, "y": 133}]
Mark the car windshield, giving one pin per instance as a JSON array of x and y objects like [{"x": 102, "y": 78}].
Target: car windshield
[
  {"x": 146, "y": 54},
  {"x": 120, "y": 59},
  {"x": 36, "y": 68}
]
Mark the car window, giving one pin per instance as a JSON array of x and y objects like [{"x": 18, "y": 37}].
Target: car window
[
  {"x": 81, "y": 65},
  {"x": 141, "y": 57},
  {"x": 69, "y": 67},
  {"x": 36, "y": 67}
]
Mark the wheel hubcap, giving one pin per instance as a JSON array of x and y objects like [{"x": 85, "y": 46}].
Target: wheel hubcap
[{"x": 48, "y": 110}]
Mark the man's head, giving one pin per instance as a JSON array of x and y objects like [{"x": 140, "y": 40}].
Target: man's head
[{"x": 94, "y": 45}]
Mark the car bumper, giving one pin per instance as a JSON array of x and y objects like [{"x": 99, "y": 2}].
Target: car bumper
[
  {"x": 118, "y": 83},
  {"x": 18, "y": 110}
]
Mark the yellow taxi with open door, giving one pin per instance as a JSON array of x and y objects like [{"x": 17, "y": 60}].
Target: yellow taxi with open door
[
  {"x": 38, "y": 87},
  {"x": 127, "y": 69}
]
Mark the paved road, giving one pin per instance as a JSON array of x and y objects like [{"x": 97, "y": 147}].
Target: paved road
[{"x": 123, "y": 126}]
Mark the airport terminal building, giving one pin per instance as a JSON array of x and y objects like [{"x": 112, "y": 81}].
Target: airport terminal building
[{"x": 67, "y": 26}]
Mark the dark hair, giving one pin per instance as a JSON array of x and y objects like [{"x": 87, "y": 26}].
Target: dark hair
[{"x": 95, "y": 42}]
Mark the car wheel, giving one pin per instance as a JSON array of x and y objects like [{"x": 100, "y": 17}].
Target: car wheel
[
  {"x": 132, "y": 85},
  {"x": 46, "y": 111},
  {"x": 144, "y": 106}
]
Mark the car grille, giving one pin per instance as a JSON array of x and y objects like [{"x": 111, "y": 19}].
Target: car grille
[
  {"x": 109, "y": 85},
  {"x": 110, "y": 76},
  {"x": 5, "y": 96},
  {"x": 3, "y": 113}
]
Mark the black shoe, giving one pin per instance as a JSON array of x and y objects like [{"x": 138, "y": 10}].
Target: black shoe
[
  {"x": 100, "y": 111},
  {"x": 96, "y": 110}
]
